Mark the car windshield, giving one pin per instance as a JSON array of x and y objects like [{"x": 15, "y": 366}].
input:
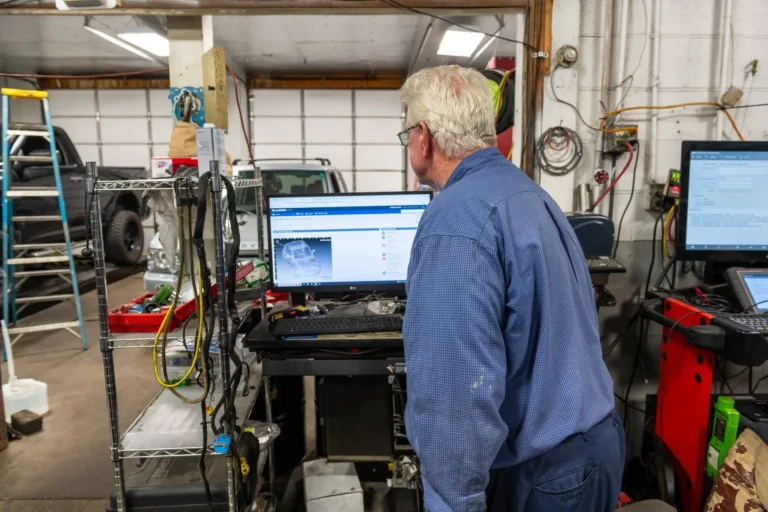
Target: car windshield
[
  {"x": 299, "y": 253},
  {"x": 280, "y": 183}
]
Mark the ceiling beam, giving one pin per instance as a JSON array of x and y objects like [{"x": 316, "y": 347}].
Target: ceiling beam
[
  {"x": 381, "y": 80},
  {"x": 104, "y": 83},
  {"x": 201, "y": 7}
]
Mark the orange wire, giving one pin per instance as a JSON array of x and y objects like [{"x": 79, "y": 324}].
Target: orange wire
[{"x": 664, "y": 107}]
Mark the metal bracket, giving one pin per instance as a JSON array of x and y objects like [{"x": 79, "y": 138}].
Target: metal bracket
[{"x": 540, "y": 55}]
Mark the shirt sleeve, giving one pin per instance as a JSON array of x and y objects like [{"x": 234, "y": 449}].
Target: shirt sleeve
[{"x": 456, "y": 364}]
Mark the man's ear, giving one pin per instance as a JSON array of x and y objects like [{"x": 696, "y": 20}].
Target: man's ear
[{"x": 426, "y": 140}]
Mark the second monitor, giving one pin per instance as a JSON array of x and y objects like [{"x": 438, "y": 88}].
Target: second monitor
[{"x": 343, "y": 242}]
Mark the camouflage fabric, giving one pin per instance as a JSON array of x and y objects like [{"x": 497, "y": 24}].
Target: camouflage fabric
[{"x": 736, "y": 487}]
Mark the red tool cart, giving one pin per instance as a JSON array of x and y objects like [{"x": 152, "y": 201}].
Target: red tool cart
[
  {"x": 122, "y": 320},
  {"x": 690, "y": 341}
]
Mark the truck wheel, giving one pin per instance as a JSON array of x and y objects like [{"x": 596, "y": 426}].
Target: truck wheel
[{"x": 124, "y": 238}]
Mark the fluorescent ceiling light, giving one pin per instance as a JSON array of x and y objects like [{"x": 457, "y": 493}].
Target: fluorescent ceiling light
[
  {"x": 122, "y": 44},
  {"x": 150, "y": 41},
  {"x": 459, "y": 43}
]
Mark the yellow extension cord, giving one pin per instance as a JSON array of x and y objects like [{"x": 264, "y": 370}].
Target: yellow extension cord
[
  {"x": 163, "y": 326},
  {"x": 665, "y": 233}
]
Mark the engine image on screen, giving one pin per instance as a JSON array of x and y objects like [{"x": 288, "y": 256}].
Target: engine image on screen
[{"x": 344, "y": 241}]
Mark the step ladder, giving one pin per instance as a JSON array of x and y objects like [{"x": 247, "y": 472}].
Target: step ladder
[{"x": 25, "y": 256}]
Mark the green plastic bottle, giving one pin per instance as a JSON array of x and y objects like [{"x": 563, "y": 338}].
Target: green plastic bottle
[{"x": 725, "y": 430}]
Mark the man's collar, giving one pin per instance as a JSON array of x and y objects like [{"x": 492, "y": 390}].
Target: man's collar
[{"x": 471, "y": 163}]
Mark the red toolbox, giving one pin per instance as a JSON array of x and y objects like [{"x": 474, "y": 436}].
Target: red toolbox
[{"x": 121, "y": 320}]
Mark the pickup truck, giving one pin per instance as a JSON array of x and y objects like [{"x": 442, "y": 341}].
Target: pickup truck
[
  {"x": 279, "y": 177},
  {"x": 121, "y": 210}
]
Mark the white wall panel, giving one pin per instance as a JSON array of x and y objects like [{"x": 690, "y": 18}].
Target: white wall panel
[
  {"x": 277, "y": 151},
  {"x": 339, "y": 155},
  {"x": 690, "y": 63},
  {"x": 379, "y": 158},
  {"x": 88, "y": 152},
  {"x": 356, "y": 130},
  {"x": 159, "y": 104},
  {"x": 80, "y": 129},
  {"x": 123, "y": 102},
  {"x": 327, "y": 103},
  {"x": 276, "y": 129},
  {"x": 162, "y": 127},
  {"x": 124, "y": 129},
  {"x": 379, "y": 181},
  {"x": 377, "y": 103},
  {"x": 72, "y": 103},
  {"x": 274, "y": 102},
  {"x": 348, "y": 176},
  {"x": 378, "y": 130},
  {"x": 159, "y": 150},
  {"x": 328, "y": 130},
  {"x": 127, "y": 156}
]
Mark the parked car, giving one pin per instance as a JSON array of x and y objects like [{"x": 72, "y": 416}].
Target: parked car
[
  {"x": 279, "y": 177},
  {"x": 121, "y": 210}
]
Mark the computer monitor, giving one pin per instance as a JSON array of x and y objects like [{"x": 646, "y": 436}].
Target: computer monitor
[
  {"x": 723, "y": 212},
  {"x": 343, "y": 242}
]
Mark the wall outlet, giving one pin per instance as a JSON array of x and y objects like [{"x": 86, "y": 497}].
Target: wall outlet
[{"x": 655, "y": 196}]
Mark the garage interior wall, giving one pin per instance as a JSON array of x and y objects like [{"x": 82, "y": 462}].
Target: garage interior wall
[
  {"x": 23, "y": 111},
  {"x": 355, "y": 129},
  {"x": 127, "y": 127},
  {"x": 690, "y": 63}
]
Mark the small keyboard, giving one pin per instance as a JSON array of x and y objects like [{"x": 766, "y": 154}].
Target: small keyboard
[
  {"x": 338, "y": 325},
  {"x": 604, "y": 264},
  {"x": 752, "y": 322}
]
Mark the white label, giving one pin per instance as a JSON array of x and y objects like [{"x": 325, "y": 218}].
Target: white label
[{"x": 713, "y": 457}]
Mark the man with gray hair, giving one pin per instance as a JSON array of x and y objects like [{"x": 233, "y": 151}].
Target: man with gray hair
[{"x": 510, "y": 405}]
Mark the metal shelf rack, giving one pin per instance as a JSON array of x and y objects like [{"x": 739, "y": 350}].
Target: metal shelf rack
[{"x": 167, "y": 427}]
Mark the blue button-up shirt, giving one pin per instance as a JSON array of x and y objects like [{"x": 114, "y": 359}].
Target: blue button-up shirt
[{"x": 501, "y": 335}]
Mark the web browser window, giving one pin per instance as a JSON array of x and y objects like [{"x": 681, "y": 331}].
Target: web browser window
[
  {"x": 343, "y": 240},
  {"x": 727, "y": 204}
]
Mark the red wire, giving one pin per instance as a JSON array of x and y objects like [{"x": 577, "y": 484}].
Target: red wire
[
  {"x": 88, "y": 77},
  {"x": 670, "y": 236},
  {"x": 242, "y": 125},
  {"x": 613, "y": 184},
  {"x": 558, "y": 148}
]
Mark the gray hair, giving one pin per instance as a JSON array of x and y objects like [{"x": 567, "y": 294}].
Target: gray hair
[{"x": 456, "y": 105}]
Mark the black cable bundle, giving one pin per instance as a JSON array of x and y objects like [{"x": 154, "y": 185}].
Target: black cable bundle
[{"x": 227, "y": 402}]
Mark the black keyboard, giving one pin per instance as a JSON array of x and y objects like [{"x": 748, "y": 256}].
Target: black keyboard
[
  {"x": 752, "y": 322},
  {"x": 338, "y": 325}
]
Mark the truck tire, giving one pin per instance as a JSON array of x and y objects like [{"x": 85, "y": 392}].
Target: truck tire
[{"x": 124, "y": 238}]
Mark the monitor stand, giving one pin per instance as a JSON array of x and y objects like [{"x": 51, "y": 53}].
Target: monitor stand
[{"x": 298, "y": 299}]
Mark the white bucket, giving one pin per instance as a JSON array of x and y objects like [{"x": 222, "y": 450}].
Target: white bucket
[
  {"x": 21, "y": 394},
  {"x": 25, "y": 394}
]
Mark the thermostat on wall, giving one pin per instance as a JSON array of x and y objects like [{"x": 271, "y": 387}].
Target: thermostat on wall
[{"x": 74, "y": 5}]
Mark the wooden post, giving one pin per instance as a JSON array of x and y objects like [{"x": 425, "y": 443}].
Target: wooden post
[{"x": 3, "y": 427}]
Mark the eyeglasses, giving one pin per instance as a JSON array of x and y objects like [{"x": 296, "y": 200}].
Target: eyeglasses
[{"x": 405, "y": 135}]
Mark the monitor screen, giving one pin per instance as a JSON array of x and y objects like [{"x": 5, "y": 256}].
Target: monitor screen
[
  {"x": 343, "y": 241},
  {"x": 724, "y": 211},
  {"x": 757, "y": 287}
]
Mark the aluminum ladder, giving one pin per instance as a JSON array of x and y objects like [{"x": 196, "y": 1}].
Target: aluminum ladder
[{"x": 18, "y": 255}]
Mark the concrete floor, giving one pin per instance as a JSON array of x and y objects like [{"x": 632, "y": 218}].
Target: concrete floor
[{"x": 66, "y": 467}]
